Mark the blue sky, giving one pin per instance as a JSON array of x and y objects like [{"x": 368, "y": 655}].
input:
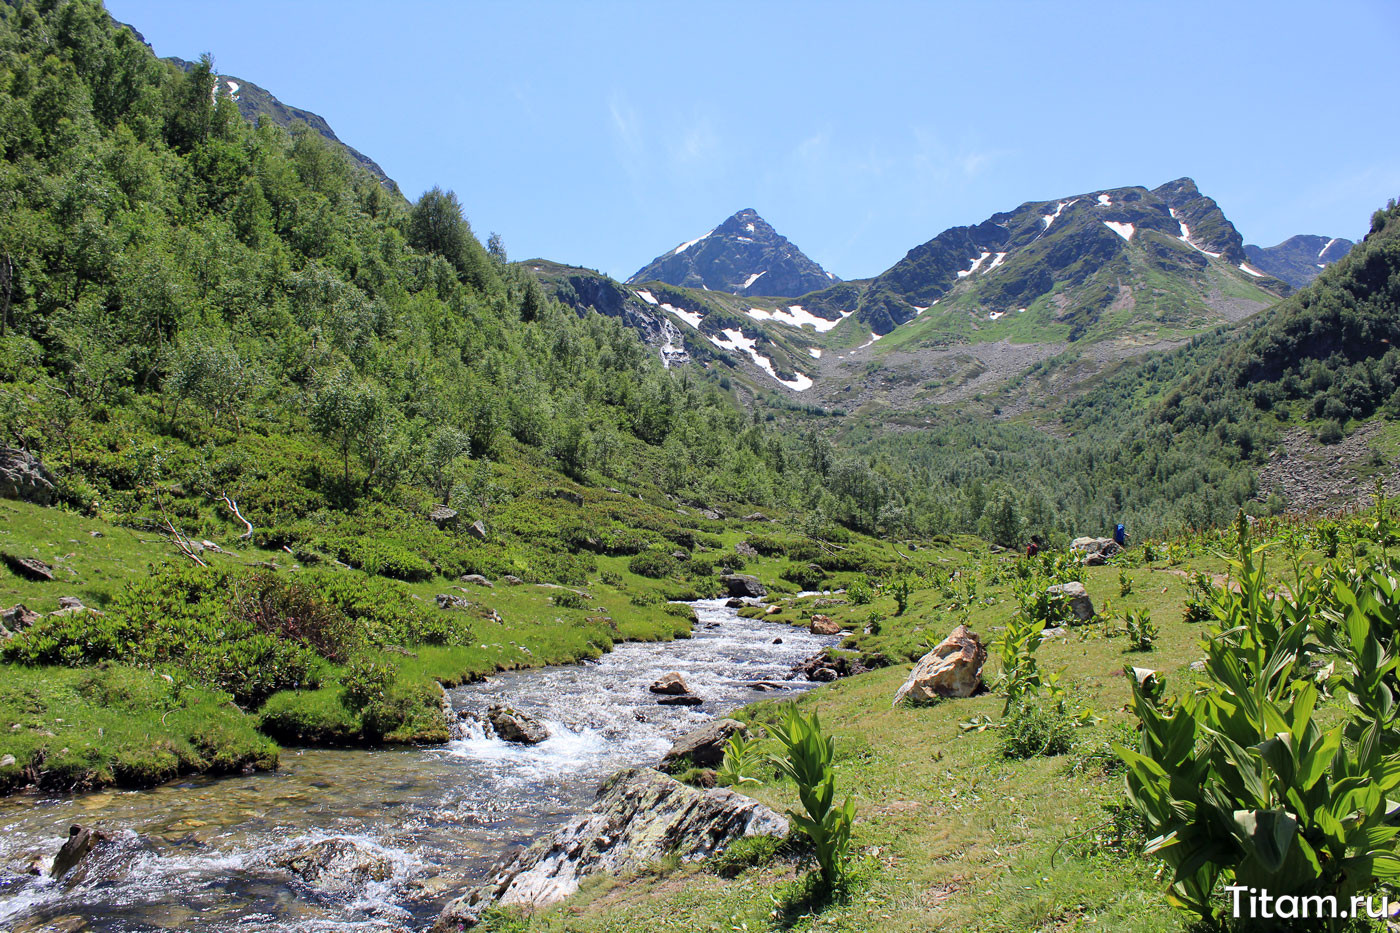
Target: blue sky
[{"x": 603, "y": 134}]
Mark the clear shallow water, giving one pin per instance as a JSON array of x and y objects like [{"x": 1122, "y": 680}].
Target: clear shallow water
[{"x": 196, "y": 855}]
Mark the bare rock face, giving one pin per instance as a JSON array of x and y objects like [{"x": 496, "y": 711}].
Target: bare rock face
[
  {"x": 672, "y": 684},
  {"x": 640, "y": 817},
  {"x": 516, "y": 727},
  {"x": 1079, "y": 602},
  {"x": 16, "y": 619},
  {"x": 952, "y": 669},
  {"x": 477, "y": 530},
  {"x": 824, "y": 625},
  {"x": 703, "y": 746},
  {"x": 23, "y": 477}
]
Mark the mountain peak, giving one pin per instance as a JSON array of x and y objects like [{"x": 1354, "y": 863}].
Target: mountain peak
[
  {"x": 744, "y": 255},
  {"x": 1298, "y": 259}
]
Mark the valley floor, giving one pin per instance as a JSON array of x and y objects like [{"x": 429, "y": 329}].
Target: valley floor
[{"x": 952, "y": 835}]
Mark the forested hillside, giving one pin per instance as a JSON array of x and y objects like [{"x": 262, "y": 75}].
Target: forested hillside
[{"x": 194, "y": 307}]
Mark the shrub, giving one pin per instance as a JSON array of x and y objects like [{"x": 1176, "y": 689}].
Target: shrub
[
  {"x": 644, "y": 598},
  {"x": 366, "y": 680},
  {"x": 804, "y": 576},
  {"x": 768, "y": 547},
  {"x": 385, "y": 558},
  {"x": 654, "y": 564},
  {"x": 1037, "y": 729},
  {"x": 860, "y": 592},
  {"x": 568, "y": 599},
  {"x": 290, "y": 609}
]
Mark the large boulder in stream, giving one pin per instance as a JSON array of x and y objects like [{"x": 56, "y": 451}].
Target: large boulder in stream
[
  {"x": 641, "y": 816},
  {"x": 743, "y": 584},
  {"x": 703, "y": 746},
  {"x": 516, "y": 727},
  {"x": 81, "y": 840},
  {"x": 672, "y": 684},
  {"x": 338, "y": 865}
]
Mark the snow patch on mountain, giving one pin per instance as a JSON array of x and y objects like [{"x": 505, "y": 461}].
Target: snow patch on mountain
[
  {"x": 748, "y": 283},
  {"x": 692, "y": 318},
  {"x": 1123, "y": 230},
  {"x": 814, "y": 352},
  {"x": 1000, "y": 257},
  {"x": 1326, "y": 248},
  {"x": 1254, "y": 272},
  {"x": 648, "y": 297},
  {"x": 797, "y": 316},
  {"x": 1059, "y": 209},
  {"x": 733, "y": 339},
  {"x": 1105, "y": 201},
  {"x": 689, "y": 243},
  {"x": 975, "y": 263},
  {"x": 1186, "y": 235}
]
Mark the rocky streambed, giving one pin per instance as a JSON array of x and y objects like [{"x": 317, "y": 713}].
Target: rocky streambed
[{"x": 356, "y": 840}]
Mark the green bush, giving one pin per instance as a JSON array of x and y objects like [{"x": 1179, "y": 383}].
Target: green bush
[
  {"x": 768, "y": 547},
  {"x": 804, "y": 576},
  {"x": 1033, "y": 728},
  {"x": 654, "y": 564},
  {"x": 568, "y": 599}
]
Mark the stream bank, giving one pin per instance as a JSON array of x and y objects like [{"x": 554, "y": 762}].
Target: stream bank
[{"x": 202, "y": 855}]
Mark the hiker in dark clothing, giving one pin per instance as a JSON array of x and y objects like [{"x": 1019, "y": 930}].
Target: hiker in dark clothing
[
  {"x": 1033, "y": 548},
  {"x": 1120, "y": 535}
]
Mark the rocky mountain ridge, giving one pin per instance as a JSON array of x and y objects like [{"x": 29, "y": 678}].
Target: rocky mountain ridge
[
  {"x": 744, "y": 255},
  {"x": 1298, "y": 259}
]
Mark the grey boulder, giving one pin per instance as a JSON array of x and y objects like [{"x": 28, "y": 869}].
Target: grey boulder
[
  {"x": 743, "y": 584},
  {"x": 23, "y": 477},
  {"x": 641, "y": 816},
  {"x": 1079, "y": 602},
  {"x": 516, "y": 727},
  {"x": 703, "y": 746}
]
